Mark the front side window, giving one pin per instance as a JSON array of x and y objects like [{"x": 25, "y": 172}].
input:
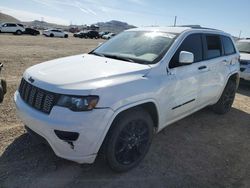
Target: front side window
[
  {"x": 228, "y": 45},
  {"x": 214, "y": 49},
  {"x": 193, "y": 44},
  {"x": 145, "y": 47},
  {"x": 11, "y": 25},
  {"x": 243, "y": 46}
]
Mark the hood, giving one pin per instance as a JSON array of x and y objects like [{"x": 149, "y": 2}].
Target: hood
[
  {"x": 245, "y": 56},
  {"x": 82, "y": 72}
]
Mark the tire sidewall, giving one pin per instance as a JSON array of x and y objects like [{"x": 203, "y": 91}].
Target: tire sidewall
[
  {"x": 116, "y": 129},
  {"x": 18, "y": 32},
  {"x": 219, "y": 107},
  {"x": 1, "y": 94}
]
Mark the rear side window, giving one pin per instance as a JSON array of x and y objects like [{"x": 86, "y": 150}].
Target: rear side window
[
  {"x": 228, "y": 45},
  {"x": 213, "y": 46},
  {"x": 193, "y": 44}
]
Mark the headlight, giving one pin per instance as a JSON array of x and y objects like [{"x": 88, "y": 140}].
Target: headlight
[{"x": 77, "y": 103}]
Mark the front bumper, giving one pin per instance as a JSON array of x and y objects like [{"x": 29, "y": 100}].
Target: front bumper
[
  {"x": 245, "y": 72},
  {"x": 91, "y": 127}
]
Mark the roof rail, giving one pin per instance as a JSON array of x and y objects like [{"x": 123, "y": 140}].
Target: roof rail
[{"x": 196, "y": 27}]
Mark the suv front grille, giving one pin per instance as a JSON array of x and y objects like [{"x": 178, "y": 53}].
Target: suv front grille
[{"x": 37, "y": 98}]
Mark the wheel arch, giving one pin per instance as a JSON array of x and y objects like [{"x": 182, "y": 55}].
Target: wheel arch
[
  {"x": 234, "y": 77},
  {"x": 150, "y": 106}
]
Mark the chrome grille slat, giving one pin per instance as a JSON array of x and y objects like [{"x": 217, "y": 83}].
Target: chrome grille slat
[{"x": 37, "y": 98}]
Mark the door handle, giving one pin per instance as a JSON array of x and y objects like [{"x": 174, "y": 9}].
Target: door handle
[
  {"x": 202, "y": 67},
  {"x": 225, "y": 61}
]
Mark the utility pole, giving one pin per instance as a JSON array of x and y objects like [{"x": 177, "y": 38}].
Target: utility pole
[
  {"x": 240, "y": 34},
  {"x": 175, "y": 20}
]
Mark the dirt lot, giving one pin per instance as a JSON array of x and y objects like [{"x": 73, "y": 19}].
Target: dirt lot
[{"x": 203, "y": 150}]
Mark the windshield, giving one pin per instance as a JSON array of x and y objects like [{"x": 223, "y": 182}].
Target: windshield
[
  {"x": 243, "y": 47},
  {"x": 137, "y": 46}
]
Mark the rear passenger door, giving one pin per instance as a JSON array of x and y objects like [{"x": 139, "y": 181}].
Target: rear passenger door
[{"x": 215, "y": 69}]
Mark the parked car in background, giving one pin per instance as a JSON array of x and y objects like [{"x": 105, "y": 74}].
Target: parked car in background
[
  {"x": 80, "y": 34},
  {"x": 114, "y": 99},
  {"x": 244, "y": 49},
  {"x": 3, "y": 86},
  {"x": 87, "y": 34},
  {"x": 12, "y": 28},
  {"x": 108, "y": 36},
  {"x": 93, "y": 35},
  {"x": 55, "y": 33},
  {"x": 101, "y": 34},
  {"x": 31, "y": 31}
]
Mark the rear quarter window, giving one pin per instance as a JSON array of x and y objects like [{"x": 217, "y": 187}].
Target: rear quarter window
[{"x": 228, "y": 45}]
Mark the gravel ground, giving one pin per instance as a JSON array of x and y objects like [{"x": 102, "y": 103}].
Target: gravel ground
[{"x": 202, "y": 150}]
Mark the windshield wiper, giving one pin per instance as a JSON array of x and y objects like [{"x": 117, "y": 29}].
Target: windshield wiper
[
  {"x": 118, "y": 57},
  {"x": 97, "y": 54}
]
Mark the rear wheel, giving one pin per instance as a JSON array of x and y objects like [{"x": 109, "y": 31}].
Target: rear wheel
[
  {"x": 1, "y": 94},
  {"x": 227, "y": 98},
  {"x": 4, "y": 86},
  {"x": 18, "y": 32},
  {"x": 129, "y": 140}
]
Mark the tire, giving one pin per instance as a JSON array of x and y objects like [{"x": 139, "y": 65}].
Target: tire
[
  {"x": 4, "y": 86},
  {"x": 1, "y": 94},
  {"x": 51, "y": 35},
  {"x": 227, "y": 98},
  {"x": 18, "y": 32},
  {"x": 128, "y": 140},
  {"x": 66, "y": 36}
]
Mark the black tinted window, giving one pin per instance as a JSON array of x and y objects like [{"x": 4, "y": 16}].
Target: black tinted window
[
  {"x": 192, "y": 43},
  {"x": 228, "y": 45},
  {"x": 11, "y": 25},
  {"x": 213, "y": 46}
]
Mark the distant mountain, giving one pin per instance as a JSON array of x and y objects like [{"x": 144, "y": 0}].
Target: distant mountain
[
  {"x": 43, "y": 25},
  {"x": 114, "y": 26},
  {"x": 7, "y": 18}
]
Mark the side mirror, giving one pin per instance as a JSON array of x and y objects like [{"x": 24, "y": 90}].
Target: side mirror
[{"x": 186, "y": 57}]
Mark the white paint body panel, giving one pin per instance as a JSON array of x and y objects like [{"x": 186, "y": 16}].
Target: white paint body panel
[
  {"x": 56, "y": 34},
  {"x": 246, "y": 73},
  {"x": 121, "y": 85}
]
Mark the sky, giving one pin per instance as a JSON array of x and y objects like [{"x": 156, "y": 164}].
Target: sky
[{"x": 228, "y": 15}]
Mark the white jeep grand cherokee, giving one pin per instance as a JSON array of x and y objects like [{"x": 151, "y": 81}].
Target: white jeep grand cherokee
[{"x": 118, "y": 96}]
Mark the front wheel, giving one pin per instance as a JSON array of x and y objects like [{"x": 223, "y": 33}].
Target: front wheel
[
  {"x": 129, "y": 140},
  {"x": 227, "y": 98},
  {"x": 66, "y": 36}
]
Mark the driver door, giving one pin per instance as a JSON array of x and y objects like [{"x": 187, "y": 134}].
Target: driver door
[{"x": 186, "y": 89}]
